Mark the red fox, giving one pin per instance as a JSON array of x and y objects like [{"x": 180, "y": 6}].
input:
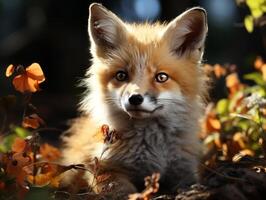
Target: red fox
[{"x": 146, "y": 83}]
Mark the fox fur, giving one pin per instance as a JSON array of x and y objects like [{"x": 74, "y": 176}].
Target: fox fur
[{"x": 161, "y": 65}]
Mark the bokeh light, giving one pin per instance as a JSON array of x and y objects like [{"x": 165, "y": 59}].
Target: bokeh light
[
  {"x": 147, "y": 9},
  {"x": 221, "y": 12}
]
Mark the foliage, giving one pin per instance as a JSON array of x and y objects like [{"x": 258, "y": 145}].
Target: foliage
[
  {"x": 26, "y": 163},
  {"x": 257, "y": 10},
  {"x": 235, "y": 126}
]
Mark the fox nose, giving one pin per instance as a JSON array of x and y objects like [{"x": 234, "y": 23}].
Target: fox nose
[{"x": 135, "y": 99}]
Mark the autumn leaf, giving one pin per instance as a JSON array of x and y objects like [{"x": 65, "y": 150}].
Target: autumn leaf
[
  {"x": 48, "y": 173},
  {"x": 35, "y": 72},
  {"x": 10, "y": 70},
  {"x": 152, "y": 186},
  {"x": 219, "y": 71},
  {"x": 211, "y": 123},
  {"x": 32, "y": 121},
  {"x": 19, "y": 145},
  {"x": 258, "y": 62},
  {"x": 49, "y": 152},
  {"x": 233, "y": 83},
  {"x": 14, "y": 166},
  {"x": 29, "y": 79},
  {"x": 109, "y": 136}
]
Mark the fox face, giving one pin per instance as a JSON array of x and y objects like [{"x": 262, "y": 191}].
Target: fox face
[
  {"x": 145, "y": 70},
  {"x": 143, "y": 89}
]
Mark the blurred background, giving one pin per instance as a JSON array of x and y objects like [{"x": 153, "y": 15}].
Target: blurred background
[{"x": 54, "y": 34}]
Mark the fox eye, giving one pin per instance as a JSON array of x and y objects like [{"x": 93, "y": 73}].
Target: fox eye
[
  {"x": 121, "y": 76},
  {"x": 161, "y": 77}
]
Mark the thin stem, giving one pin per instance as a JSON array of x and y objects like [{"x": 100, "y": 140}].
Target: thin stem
[
  {"x": 262, "y": 131},
  {"x": 27, "y": 99}
]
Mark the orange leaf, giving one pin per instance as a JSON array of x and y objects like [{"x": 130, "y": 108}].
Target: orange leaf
[
  {"x": 23, "y": 83},
  {"x": 35, "y": 72},
  {"x": 258, "y": 63},
  {"x": 49, "y": 152},
  {"x": 19, "y": 145},
  {"x": 232, "y": 80},
  {"x": 152, "y": 186},
  {"x": 219, "y": 70},
  {"x": 10, "y": 70},
  {"x": 233, "y": 83},
  {"x": 14, "y": 167},
  {"x": 29, "y": 80},
  {"x": 212, "y": 124},
  {"x": 48, "y": 173},
  {"x": 263, "y": 70},
  {"x": 215, "y": 123},
  {"x": 32, "y": 121}
]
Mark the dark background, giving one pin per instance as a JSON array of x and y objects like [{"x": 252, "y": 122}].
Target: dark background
[{"x": 54, "y": 34}]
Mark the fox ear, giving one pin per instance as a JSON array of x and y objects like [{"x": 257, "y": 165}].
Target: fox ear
[
  {"x": 106, "y": 30},
  {"x": 187, "y": 32}
]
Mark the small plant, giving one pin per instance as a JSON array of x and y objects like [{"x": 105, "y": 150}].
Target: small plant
[
  {"x": 235, "y": 126},
  {"x": 256, "y": 17}
]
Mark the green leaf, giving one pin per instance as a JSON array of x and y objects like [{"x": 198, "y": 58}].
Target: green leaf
[
  {"x": 7, "y": 143},
  {"x": 222, "y": 106},
  {"x": 21, "y": 132},
  {"x": 260, "y": 90},
  {"x": 248, "y": 21},
  {"x": 256, "y": 77},
  {"x": 242, "y": 116}
]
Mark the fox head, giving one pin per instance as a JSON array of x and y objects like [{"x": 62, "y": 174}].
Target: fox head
[{"x": 144, "y": 70}]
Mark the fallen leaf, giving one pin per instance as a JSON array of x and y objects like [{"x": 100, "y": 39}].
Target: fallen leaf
[{"x": 152, "y": 186}]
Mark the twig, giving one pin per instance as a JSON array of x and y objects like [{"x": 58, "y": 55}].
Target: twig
[{"x": 222, "y": 175}]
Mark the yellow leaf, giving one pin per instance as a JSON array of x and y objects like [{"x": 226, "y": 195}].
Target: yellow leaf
[
  {"x": 256, "y": 12},
  {"x": 256, "y": 7},
  {"x": 248, "y": 21}
]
